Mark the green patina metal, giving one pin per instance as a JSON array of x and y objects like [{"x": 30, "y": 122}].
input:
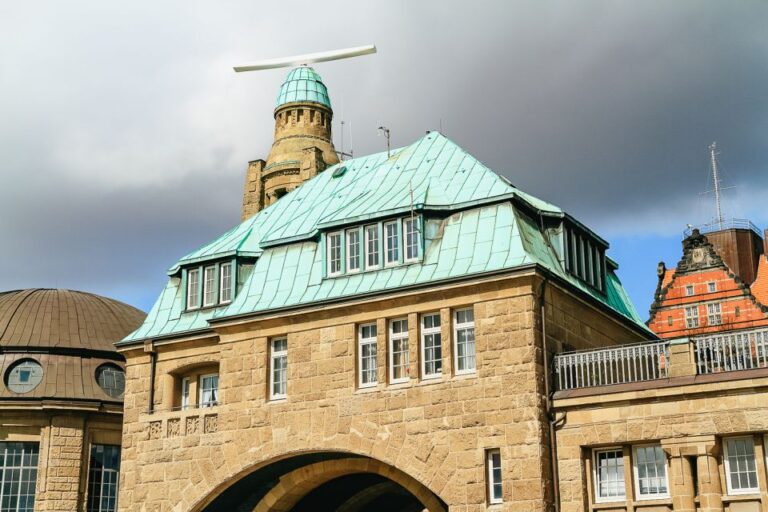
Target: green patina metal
[
  {"x": 486, "y": 225},
  {"x": 303, "y": 84}
]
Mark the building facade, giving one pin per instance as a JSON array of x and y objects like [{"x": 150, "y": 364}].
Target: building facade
[
  {"x": 376, "y": 339},
  {"x": 61, "y": 399}
]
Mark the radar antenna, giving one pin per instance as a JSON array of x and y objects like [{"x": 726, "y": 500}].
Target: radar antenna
[{"x": 308, "y": 58}]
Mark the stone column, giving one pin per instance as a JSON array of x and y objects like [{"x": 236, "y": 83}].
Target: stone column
[
  {"x": 681, "y": 483},
  {"x": 61, "y": 464},
  {"x": 710, "y": 488}
]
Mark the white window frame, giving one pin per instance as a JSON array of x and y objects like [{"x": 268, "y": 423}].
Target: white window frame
[
  {"x": 193, "y": 293},
  {"x": 491, "y": 481},
  {"x": 406, "y": 353},
  {"x": 222, "y": 279},
  {"x": 714, "y": 317},
  {"x": 350, "y": 258},
  {"x": 416, "y": 239},
  {"x": 329, "y": 253},
  {"x": 422, "y": 349},
  {"x": 727, "y": 464},
  {"x": 689, "y": 290},
  {"x": 636, "y": 474},
  {"x": 361, "y": 342},
  {"x": 201, "y": 390},
  {"x": 274, "y": 356},
  {"x": 209, "y": 285},
  {"x": 185, "y": 386},
  {"x": 692, "y": 321},
  {"x": 711, "y": 287},
  {"x": 460, "y": 327},
  {"x": 595, "y": 473},
  {"x": 377, "y": 246},
  {"x": 396, "y": 261}
]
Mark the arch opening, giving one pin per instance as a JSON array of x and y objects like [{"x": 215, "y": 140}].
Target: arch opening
[{"x": 326, "y": 482}]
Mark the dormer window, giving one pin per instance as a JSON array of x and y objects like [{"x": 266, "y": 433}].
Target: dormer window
[
  {"x": 210, "y": 285},
  {"x": 360, "y": 249},
  {"x": 584, "y": 257}
]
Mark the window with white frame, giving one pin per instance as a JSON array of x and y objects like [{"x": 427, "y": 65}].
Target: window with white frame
[
  {"x": 103, "y": 478},
  {"x": 334, "y": 253},
  {"x": 431, "y": 346},
  {"x": 225, "y": 283},
  {"x": 609, "y": 475},
  {"x": 464, "y": 338},
  {"x": 353, "y": 250},
  {"x": 713, "y": 314},
  {"x": 740, "y": 468},
  {"x": 185, "y": 383},
  {"x": 209, "y": 390},
  {"x": 650, "y": 469},
  {"x": 372, "y": 246},
  {"x": 367, "y": 355},
  {"x": 399, "y": 360},
  {"x": 209, "y": 286},
  {"x": 712, "y": 287},
  {"x": 689, "y": 290},
  {"x": 411, "y": 238},
  {"x": 392, "y": 243},
  {"x": 278, "y": 375},
  {"x": 18, "y": 475},
  {"x": 193, "y": 285},
  {"x": 691, "y": 316},
  {"x": 493, "y": 473}
]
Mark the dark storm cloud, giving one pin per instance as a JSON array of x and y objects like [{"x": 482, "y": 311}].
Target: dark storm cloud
[{"x": 125, "y": 133}]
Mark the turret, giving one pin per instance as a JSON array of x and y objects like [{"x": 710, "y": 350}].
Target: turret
[{"x": 302, "y": 147}]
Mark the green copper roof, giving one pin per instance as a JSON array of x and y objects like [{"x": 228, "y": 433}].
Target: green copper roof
[
  {"x": 482, "y": 224},
  {"x": 303, "y": 84}
]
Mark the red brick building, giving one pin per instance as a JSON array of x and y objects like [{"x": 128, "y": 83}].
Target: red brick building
[{"x": 720, "y": 284}]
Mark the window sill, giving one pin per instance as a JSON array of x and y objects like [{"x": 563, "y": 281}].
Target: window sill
[
  {"x": 466, "y": 375},
  {"x": 602, "y": 505},
  {"x": 653, "y": 501},
  {"x": 748, "y": 496},
  {"x": 367, "y": 389},
  {"x": 277, "y": 400},
  {"x": 400, "y": 384}
]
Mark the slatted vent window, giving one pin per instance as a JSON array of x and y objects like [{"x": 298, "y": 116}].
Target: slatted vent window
[{"x": 584, "y": 257}]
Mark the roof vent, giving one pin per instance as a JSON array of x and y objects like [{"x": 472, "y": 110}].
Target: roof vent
[{"x": 339, "y": 172}]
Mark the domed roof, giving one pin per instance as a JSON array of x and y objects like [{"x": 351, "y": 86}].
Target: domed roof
[
  {"x": 303, "y": 84},
  {"x": 64, "y": 318}
]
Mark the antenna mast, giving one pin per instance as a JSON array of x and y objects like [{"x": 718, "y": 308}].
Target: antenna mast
[
  {"x": 385, "y": 131},
  {"x": 716, "y": 179}
]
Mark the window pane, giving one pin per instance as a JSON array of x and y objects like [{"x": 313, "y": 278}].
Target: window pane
[
  {"x": 225, "y": 283},
  {"x": 209, "y": 288},
  {"x": 411, "y": 239},
  {"x": 400, "y": 359},
  {"x": 651, "y": 468},
  {"x": 393, "y": 243},
  {"x": 610, "y": 474},
  {"x": 431, "y": 342},
  {"x": 367, "y": 355},
  {"x": 353, "y": 250},
  {"x": 18, "y": 476},
  {"x": 742, "y": 474},
  {"x": 193, "y": 283},
  {"x": 465, "y": 340},
  {"x": 372, "y": 246},
  {"x": 334, "y": 253},
  {"x": 103, "y": 478}
]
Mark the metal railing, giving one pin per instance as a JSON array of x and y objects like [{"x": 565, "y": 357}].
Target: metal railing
[
  {"x": 732, "y": 351},
  {"x": 616, "y": 365},
  {"x": 713, "y": 226}
]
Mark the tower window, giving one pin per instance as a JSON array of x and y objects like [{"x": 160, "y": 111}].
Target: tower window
[
  {"x": 367, "y": 355},
  {"x": 193, "y": 285},
  {"x": 334, "y": 253},
  {"x": 372, "y": 246},
  {"x": 393, "y": 242}
]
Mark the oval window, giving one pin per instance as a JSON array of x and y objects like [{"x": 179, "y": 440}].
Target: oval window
[
  {"x": 111, "y": 379},
  {"x": 24, "y": 376}
]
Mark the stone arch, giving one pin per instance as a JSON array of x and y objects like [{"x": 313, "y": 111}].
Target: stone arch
[{"x": 282, "y": 482}]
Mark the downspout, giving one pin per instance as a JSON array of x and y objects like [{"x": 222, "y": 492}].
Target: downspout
[
  {"x": 152, "y": 366},
  {"x": 551, "y": 417}
]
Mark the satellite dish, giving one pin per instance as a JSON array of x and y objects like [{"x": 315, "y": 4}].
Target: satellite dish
[{"x": 309, "y": 58}]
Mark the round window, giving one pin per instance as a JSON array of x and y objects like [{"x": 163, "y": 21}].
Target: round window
[
  {"x": 111, "y": 379},
  {"x": 24, "y": 376}
]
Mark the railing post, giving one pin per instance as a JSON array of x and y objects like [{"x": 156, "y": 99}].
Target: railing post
[{"x": 682, "y": 360}]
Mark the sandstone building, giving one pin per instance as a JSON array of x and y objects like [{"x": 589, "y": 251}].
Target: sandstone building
[{"x": 61, "y": 399}]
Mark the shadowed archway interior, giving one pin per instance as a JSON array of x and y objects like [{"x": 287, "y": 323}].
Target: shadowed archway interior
[{"x": 326, "y": 482}]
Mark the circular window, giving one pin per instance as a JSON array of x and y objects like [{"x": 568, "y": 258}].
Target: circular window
[
  {"x": 24, "y": 376},
  {"x": 111, "y": 379}
]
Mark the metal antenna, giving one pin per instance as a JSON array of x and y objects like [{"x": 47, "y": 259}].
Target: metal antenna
[
  {"x": 716, "y": 179},
  {"x": 308, "y": 58},
  {"x": 385, "y": 131}
]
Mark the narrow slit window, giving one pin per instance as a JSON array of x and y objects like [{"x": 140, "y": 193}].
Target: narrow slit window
[
  {"x": 278, "y": 376},
  {"x": 464, "y": 336},
  {"x": 209, "y": 286},
  {"x": 353, "y": 250},
  {"x": 193, "y": 284},
  {"x": 334, "y": 253},
  {"x": 431, "y": 346},
  {"x": 493, "y": 467},
  {"x": 367, "y": 356},
  {"x": 372, "y": 246},
  {"x": 393, "y": 243},
  {"x": 399, "y": 359},
  {"x": 225, "y": 283}
]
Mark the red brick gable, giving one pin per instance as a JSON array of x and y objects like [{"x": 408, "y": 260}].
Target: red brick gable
[{"x": 760, "y": 286}]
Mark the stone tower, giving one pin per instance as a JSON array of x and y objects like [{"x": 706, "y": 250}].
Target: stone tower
[{"x": 302, "y": 146}]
